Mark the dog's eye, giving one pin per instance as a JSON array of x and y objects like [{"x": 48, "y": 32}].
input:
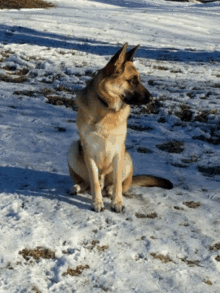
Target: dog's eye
[{"x": 133, "y": 80}]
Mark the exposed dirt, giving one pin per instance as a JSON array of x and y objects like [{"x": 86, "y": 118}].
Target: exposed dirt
[
  {"x": 153, "y": 107},
  {"x": 35, "y": 289},
  {"x": 7, "y": 78},
  {"x": 144, "y": 150},
  {"x": 18, "y": 4},
  {"x": 178, "y": 208},
  {"x": 192, "y": 204},
  {"x": 59, "y": 101},
  {"x": 140, "y": 128},
  {"x": 208, "y": 282},
  {"x": 92, "y": 244},
  {"x": 203, "y": 115},
  {"x": 77, "y": 271},
  {"x": 161, "y": 257},
  {"x": 215, "y": 247},
  {"x": 191, "y": 263},
  {"x": 25, "y": 93},
  {"x": 175, "y": 146},
  {"x": 102, "y": 248},
  {"x": 37, "y": 253},
  {"x": 217, "y": 258},
  {"x": 161, "y": 68},
  {"x": 149, "y": 216},
  {"x": 185, "y": 114},
  {"x": 209, "y": 171}
]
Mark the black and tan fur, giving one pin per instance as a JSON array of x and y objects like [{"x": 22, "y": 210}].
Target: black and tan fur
[{"x": 99, "y": 160}]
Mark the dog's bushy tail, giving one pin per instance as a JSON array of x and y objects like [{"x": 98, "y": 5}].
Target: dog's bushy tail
[{"x": 151, "y": 181}]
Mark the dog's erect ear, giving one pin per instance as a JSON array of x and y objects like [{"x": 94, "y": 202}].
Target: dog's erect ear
[
  {"x": 117, "y": 61},
  {"x": 130, "y": 54},
  {"x": 119, "y": 58}
]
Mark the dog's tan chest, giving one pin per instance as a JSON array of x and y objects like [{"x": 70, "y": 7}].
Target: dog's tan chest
[{"x": 101, "y": 146}]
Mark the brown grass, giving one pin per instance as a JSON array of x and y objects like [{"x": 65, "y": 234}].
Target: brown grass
[
  {"x": 59, "y": 101},
  {"x": 215, "y": 247},
  {"x": 175, "y": 146},
  {"x": 149, "y": 216},
  {"x": 217, "y": 258},
  {"x": 77, "y": 271},
  {"x": 208, "y": 282},
  {"x": 18, "y": 4},
  {"x": 191, "y": 263},
  {"x": 37, "y": 253},
  {"x": 35, "y": 289},
  {"x": 7, "y": 78},
  {"x": 102, "y": 248},
  {"x": 192, "y": 204},
  {"x": 161, "y": 257}
]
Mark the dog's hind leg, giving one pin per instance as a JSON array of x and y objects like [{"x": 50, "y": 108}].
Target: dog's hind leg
[
  {"x": 77, "y": 168},
  {"x": 80, "y": 185}
]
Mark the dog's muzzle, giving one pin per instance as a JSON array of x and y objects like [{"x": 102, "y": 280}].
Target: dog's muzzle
[{"x": 138, "y": 98}]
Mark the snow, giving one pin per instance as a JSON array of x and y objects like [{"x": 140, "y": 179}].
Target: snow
[{"x": 161, "y": 242}]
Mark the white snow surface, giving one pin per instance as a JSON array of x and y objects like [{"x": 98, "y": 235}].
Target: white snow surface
[{"x": 44, "y": 53}]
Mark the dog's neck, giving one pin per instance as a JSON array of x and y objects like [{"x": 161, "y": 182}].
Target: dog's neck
[{"x": 102, "y": 101}]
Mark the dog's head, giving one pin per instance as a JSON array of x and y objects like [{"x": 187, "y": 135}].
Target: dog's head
[{"x": 119, "y": 82}]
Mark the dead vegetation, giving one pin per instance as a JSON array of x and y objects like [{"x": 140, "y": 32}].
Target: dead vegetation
[
  {"x": 174, "y": 146},
  {"x": 185, "y": 114},
  {"x": 144, "y": 150},
  {"x": 208, "y": 282},
  {"x": 153, "y": 107},
  {"x": 35, "y": 289},
  {"x": 59, "y": 101},
  {"x": 161, "y": 257},
  {"x": 25, "y": 93},
  {"x": 102, "y": 248},
  {"x": 19, "y": 4},
  {"x": 191, "y": 263},
  {"x": 12, "y": 70},
  {"x": 140, "y": 128},
  {"x": 178, "y": 208},
  {"x": 217, "y": 258},
  {"x": 203, "y": 115},
  {"x": 161, "y": 68},
  {"x": 149, "y": 216},
  {"x": 209, "y": 171},
  {"x": 77, "y": 271},
  {"x": 37, "y": 253},
  {"x": 7, "y": 78},
  {"x": 91, "y": 245},
  {"x": 192, "y": 204},
  {"x": 215, "y": 247}
]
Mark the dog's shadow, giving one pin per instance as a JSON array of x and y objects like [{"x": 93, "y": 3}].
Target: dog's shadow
[{"x": 52, "y": 186}]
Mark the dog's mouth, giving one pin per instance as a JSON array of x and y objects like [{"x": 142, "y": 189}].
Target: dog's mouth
[{"x": 137, "y": 98}]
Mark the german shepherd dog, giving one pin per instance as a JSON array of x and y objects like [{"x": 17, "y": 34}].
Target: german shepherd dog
[{"x": 99, "y": 160}]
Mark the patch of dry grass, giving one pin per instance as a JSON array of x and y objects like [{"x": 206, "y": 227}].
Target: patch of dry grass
[
  {"x": 37, "y": 253},
  {"x": 18, "y": 4},
  {"x": 192, "y": 204},
  {"x": 161, "y": 257},
  {"x": 77, "y": 271}
]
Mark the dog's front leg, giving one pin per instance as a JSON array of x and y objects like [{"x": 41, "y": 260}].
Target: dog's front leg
[
  {"x": 117, "y": 201},
  {"x": 97, "y": 202}
]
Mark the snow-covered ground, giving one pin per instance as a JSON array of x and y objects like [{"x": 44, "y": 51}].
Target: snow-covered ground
[{"x": 164, "y": 241}]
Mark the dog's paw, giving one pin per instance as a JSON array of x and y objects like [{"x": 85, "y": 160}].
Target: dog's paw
[
  {"x": 75, "y": 189},
  {"x": 98, "y": 206},
  {"x": 108, "y": 191},
  {"x": 117, "y": 207}
]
